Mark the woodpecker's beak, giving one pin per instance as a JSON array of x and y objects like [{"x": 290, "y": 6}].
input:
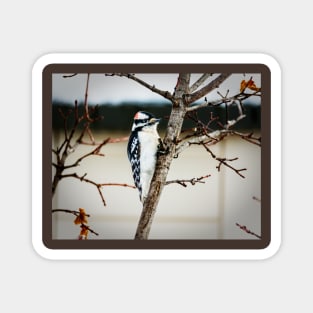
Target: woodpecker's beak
[{"x": 154, "y": 120}]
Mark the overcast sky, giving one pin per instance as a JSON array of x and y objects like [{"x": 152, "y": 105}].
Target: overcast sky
[{"x": 115, "y": 89}]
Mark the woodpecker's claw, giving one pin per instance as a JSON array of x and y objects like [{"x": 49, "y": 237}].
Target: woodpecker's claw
[{"x": 161, "y": 148}]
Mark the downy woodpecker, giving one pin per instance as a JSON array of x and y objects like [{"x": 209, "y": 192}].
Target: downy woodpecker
[{"x": 142, "y": 150}]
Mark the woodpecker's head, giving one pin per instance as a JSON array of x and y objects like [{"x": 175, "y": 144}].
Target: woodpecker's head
[{"x": 144, "y": 119}]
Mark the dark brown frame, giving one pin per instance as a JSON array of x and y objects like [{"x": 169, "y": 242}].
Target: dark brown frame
[{"x": 157, "y": 244}]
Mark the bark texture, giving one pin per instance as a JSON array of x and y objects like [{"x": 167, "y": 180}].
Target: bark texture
[
  {"x": 184, "y": 95},
  {"x": 164, "y": 161}
]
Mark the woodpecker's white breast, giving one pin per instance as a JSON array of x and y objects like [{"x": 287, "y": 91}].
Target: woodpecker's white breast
[{"x": 149, "y": 141}]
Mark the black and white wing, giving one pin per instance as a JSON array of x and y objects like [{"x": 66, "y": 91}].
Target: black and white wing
[{"x": 133, "y": 151}]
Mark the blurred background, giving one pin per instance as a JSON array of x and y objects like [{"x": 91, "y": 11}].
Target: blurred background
[{"x": 208, "y": 210}]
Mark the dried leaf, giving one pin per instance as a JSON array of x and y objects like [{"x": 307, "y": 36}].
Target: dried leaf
[
  {"x": 81, "y": 218},
  {"x": 243, "y": 85},
  {"x": 83, "y": 233},
  {"x": 248, "y": 84},
  {"x": 252, "y": 86}
]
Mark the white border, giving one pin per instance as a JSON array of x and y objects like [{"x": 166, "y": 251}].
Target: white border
[{"x": 142, "y": 58}]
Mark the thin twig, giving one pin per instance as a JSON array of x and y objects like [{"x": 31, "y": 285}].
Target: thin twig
[
  {"x": 207, "y": 139},
  {"x": 97, "y": 185},
  {"x": 240, "y": 97},
  {"x": 249, "y": 137},
  {"x": 86, "y": 226},
  {"x": 76, "y": 213},
  {"x": 86, "y": 99},
  {"x": 192, "y": 181},
  {"x": 248, "y": 231},
  {"x": 93, "y": 152},
  {"x": 70, "y": 75},
  {"x": 224, "y": 162},
  {"x": 207, "y": 88},
  {"x": 117, "y": 184},
  {"x": 256, "y": 199}
]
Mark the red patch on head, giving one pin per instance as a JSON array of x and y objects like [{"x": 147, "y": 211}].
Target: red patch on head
[{"x": 136, "y": 116}]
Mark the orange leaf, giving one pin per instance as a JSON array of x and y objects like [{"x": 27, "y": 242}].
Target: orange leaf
[
  {"x": 83, "y": 233},
  {"x": 252, "y": 86},
  {"x": 81, "y": 218},
  {"x": 243, "y": 85},
  {"x": 248, "y": 84}
]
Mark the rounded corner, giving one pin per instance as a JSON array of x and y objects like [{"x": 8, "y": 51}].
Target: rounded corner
[
  {"x": 271, "y": 62},
  {"x": 271, "y": 250},
  {"x": 44, "y": 62},
  {"x": 41, "y": 249}
]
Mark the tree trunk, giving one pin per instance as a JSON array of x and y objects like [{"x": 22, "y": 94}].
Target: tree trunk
[{"x": 164, "y": 161}]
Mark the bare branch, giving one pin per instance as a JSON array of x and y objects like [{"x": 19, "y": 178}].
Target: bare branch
[
  {"x": 93, "y": 152},
  {"x": 76, "y": 213},
  {"x": 97, "y": 185},
  {"x": 207, "y": 88},
  {"x": 240, "y": 97},
  {"x": 164, "y": 160},
  {"x": 82, "y": 178},
  {"x": 110, "y": 140},
  {"x": 86, "y": 100},
  {"x": 249, "y": 137},
  {"x": 192, "y": 181},
  {"x": 256, "y": 199},
  {"x": 165, "y": 94},
  {"x": 117, "y": 184},
  {"x": 70, "y": 75},
  {"x": 225, "y": 161},
  {"x": 205, "y": 104},
  {"x": 69, "y": 144},
  {"x": 208, "y": 139},
  {"x": 248, "y": 231},
  {"x": 199, "y": 82},
  {"x": 230, "y": 123},
  {"x": 120, "y": 139},
  {"x": 87, "y": 227}
]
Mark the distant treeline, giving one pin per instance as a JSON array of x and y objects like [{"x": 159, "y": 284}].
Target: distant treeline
[{"x": 119, "y": 117}]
